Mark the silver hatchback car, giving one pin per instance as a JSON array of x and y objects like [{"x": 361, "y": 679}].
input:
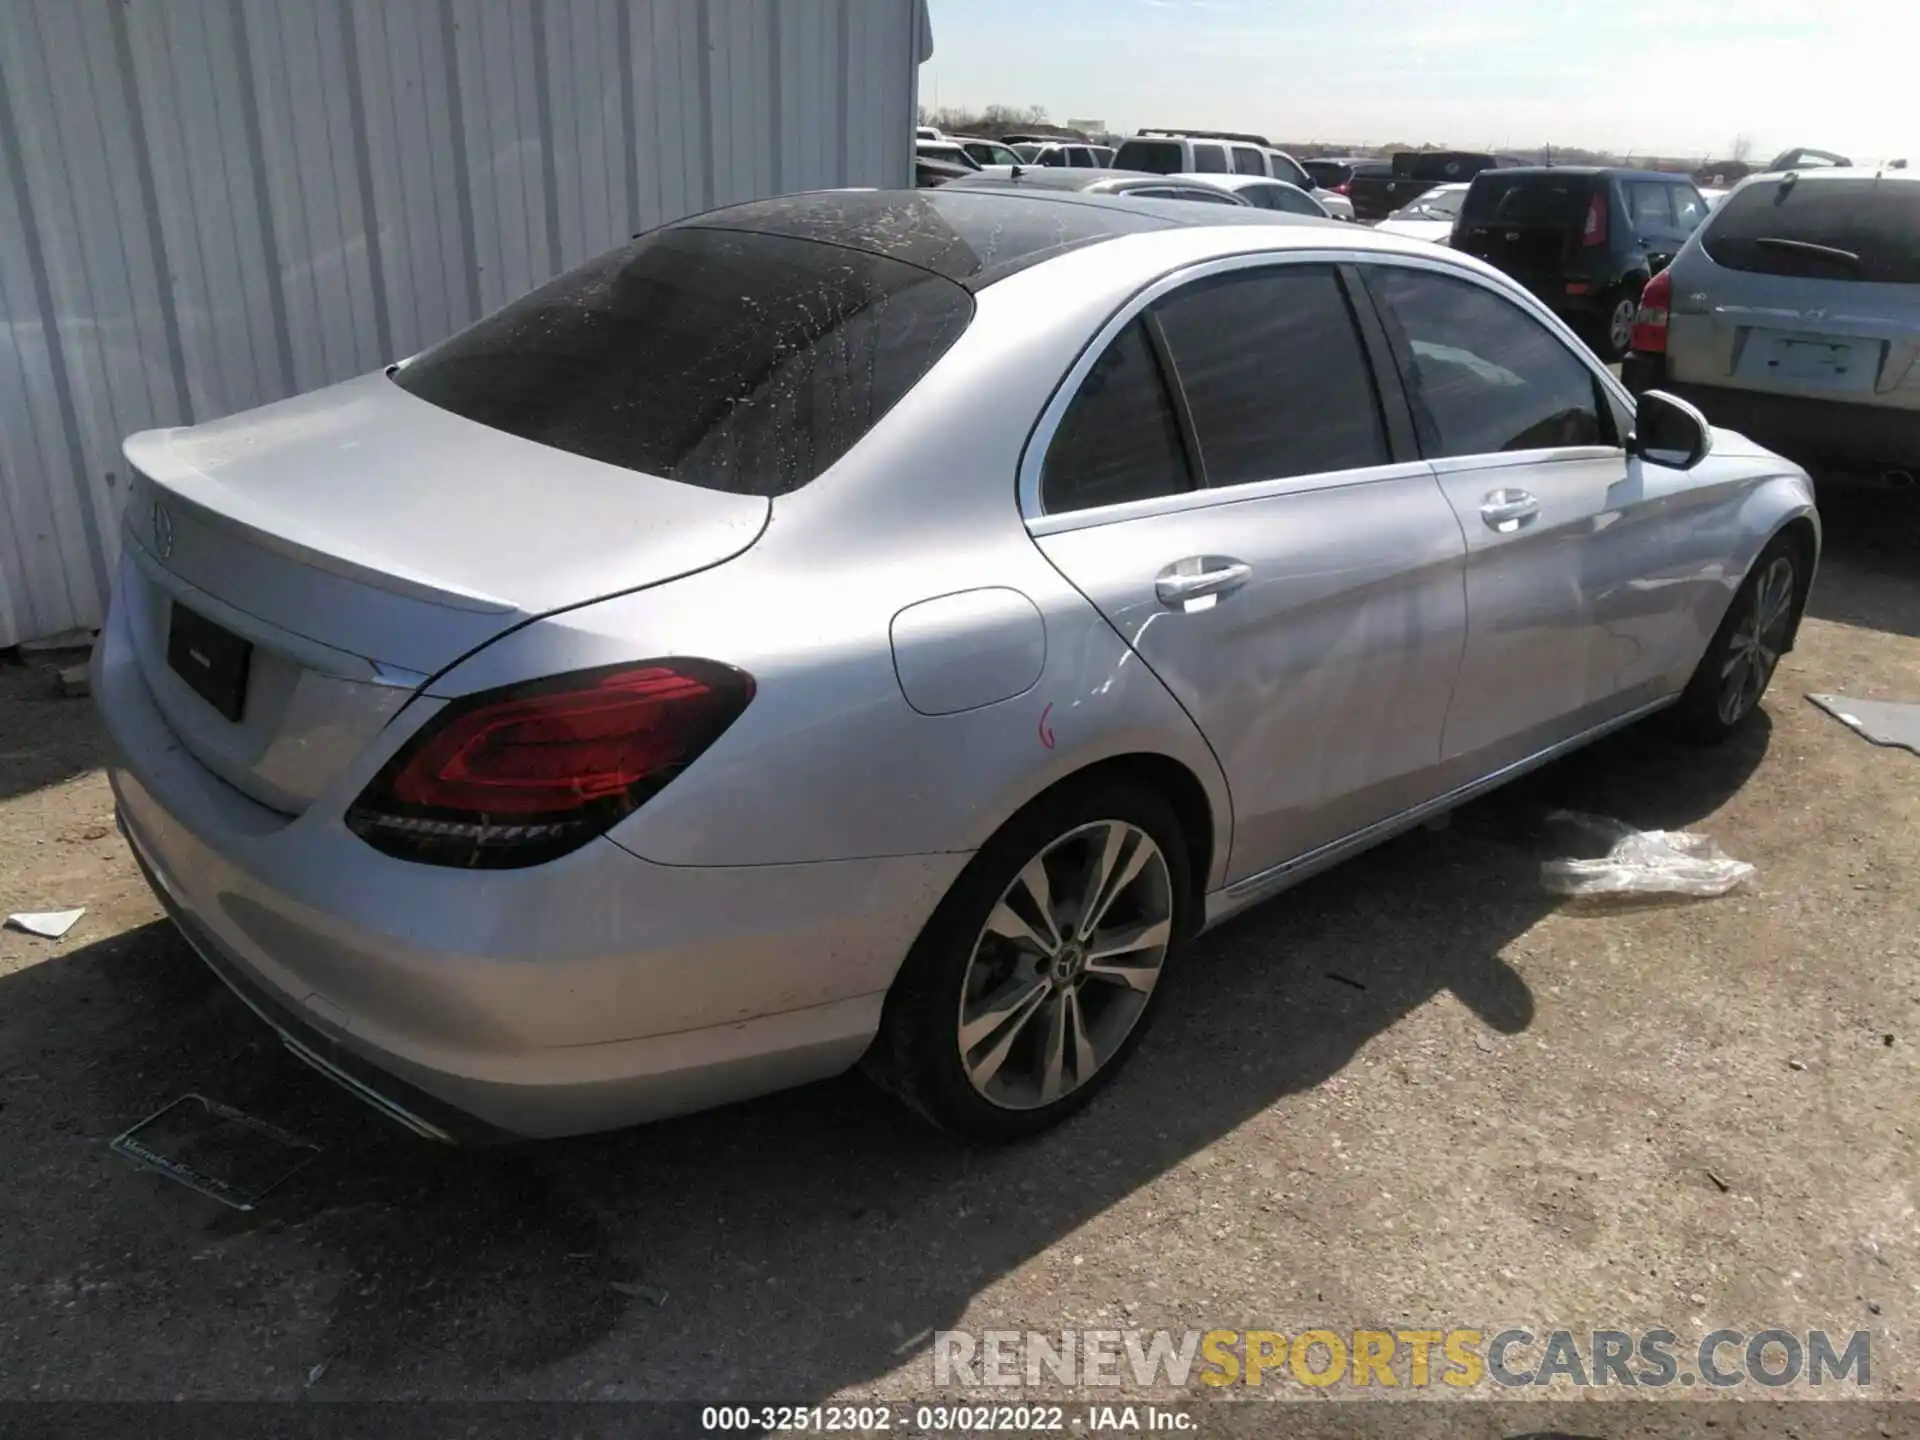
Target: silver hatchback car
[
  {"x": 886, "y": 626},
  {"x": 1793, "y": 315}
]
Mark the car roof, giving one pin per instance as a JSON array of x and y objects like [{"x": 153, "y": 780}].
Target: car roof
[
  {"x": 1076, "y": 177},
  {"x": 1585, "y": 172},
  {"x": 975, "y": 232},
  {"x": 1229, "y": 182}
]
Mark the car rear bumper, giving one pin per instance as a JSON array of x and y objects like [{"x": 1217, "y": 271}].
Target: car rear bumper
[
  {"x": 1808, "y": 431},
  {"x": 595, "y": 991}
]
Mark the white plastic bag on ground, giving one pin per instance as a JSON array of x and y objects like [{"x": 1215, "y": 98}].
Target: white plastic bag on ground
[{"x": 1643, "y": 862}]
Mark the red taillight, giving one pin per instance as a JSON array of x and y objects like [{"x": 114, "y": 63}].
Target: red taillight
[
  {"x": 525, "y": 774},
  {"x": 1650, "y": 324},
  {"x": 1341, "y": 188},
  {"x": 1595, "y": 230}
]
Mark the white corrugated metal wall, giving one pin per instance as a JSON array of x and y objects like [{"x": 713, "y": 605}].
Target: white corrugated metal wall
[{"x": 209, "y": 204}]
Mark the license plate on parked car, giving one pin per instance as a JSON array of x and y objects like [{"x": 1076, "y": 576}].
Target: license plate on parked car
[
  {"x": 210, "y": 658},
  {"x": 1827, "y": 363}
]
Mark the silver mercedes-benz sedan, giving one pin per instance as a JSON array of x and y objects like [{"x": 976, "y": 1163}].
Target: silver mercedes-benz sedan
[{"x": 884, "y": 627}]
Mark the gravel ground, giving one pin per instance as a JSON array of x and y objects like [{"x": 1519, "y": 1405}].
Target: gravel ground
[{"x": 1414, "y": 1092}]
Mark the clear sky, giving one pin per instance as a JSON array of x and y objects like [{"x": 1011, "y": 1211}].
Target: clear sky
[{"x": 1674, "y": 77}]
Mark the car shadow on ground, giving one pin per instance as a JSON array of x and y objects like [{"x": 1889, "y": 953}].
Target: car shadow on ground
[
  {"x": 808, "y": 1241},
  {"x": 1870, "y": 559},
  {"x": 45, "y": 737}
]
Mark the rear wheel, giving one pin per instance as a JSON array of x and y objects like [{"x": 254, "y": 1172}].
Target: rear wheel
[
  {"x": 1613, "y": 327},
  {"x": 1038, "y": 973},
  {"x": 1734, "y": 673}
]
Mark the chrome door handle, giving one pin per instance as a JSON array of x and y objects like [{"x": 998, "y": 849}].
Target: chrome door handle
[
  {"x": 1200, "y": 576},
  {"x": 1508, "y": 510}
]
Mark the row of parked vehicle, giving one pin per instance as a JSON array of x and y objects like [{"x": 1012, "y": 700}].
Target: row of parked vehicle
[
  {"x": 1797, "y": 320},
  {"x": 1218, "y": 166}
]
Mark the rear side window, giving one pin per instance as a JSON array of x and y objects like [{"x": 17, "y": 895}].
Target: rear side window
[
  {"x": 1528, "y": 199},
  {"x": 1055, "y": 158},
  {"x": 736, "y": 361},
  {"x": 1248, "y": 161},
  {"x": 1482, "y": 375},
  {"x": 1862, "y": 229},
  {"x": 1155, "y": 157},
  {"x": 1080, "y": 156},
  {"x": 1652, "y": 203},
  {"x": 1273, "y": 374},
  {"x": 1440, "y": 165},
  {"x": 1210, "y": 159},
  {"x": 1119, "y": 439}
]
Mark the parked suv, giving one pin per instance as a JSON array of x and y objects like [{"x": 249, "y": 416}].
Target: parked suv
[
  {"x": 1160, "y": 152},
  {"x": 1794, "y": 317},
  {"x": 1585, "y": 240},
  {"x": 1222, "y": 152},
  {"x": 1377, "y": 193}
]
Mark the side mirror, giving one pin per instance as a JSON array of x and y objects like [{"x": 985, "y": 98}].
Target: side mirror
[{"x": 1668, "y": 431}]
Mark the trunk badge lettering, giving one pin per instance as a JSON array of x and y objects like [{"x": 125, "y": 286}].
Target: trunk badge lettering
[{"x": 162, "y": 531}]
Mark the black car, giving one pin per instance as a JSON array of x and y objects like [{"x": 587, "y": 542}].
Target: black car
[
  {"x": 1377, "y": 193},
  {"x": 1585, "y": 240},
  {"x": 1336, "y": 172}
]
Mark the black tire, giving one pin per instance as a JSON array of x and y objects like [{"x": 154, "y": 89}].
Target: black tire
[
  {"x": 1611, "y": 342},
  {"x": 1708, "y": 712},
  {"x": 917, "y": 1055}
]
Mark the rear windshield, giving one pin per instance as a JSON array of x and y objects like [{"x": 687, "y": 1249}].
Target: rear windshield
[
  {"x": 1853, "y": 229},
  {"x": 1155, "y": 157},
  {"x": 1325, "y": 172},
  {"x": 1529, "y": 199},
  {"x": 743, "y": 362},
  {"x": 1440, "y": 164}
]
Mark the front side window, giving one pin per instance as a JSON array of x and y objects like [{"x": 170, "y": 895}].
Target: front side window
[
  {"x": 1119, "y": 439},
  {"x": 1286, "y": 168},
  {"x": 1279, "y": 197},
  {"x": 1482, "y": 375},
  {"x": 1210, "y": 160},
  {"x": 739, "y": 361},
  {"x": 1248, "y": 161},
  {"x": 1273, "y": 373},
  {"x": 1054, "y": 157},
  {"x": 1689, "y": 209}
]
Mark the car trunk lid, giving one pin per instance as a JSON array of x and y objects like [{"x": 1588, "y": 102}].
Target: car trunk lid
[
  {"x": 296, "y": 572},
  {"x": 1528, "y": 225}
]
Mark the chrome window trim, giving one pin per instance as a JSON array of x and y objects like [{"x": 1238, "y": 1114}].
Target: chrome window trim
[{"x": 1033, "y": 456}]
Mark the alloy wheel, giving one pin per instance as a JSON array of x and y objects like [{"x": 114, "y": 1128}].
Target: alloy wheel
[
  {"x": 1620, "y": 324},
  {"x": 1753, "y": 649},
  {"x": 1063, "y": 968}
]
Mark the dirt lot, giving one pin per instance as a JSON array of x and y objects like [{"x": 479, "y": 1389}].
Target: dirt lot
[{"x": 1415, "y": 1091}]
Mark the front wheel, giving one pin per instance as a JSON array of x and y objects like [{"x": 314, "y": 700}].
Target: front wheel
[
  {"x": 1037, "y": 974},
  {"x": 1734, "y": 673}
]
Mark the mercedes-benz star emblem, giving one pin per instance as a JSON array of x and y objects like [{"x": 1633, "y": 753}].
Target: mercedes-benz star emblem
[{"x": 162, "y": 531}]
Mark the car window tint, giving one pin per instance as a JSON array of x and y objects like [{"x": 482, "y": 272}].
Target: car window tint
[
  {"x": 1291, "y": 201},
  {"x": 1080, "y": 157},
  {"x": 1248, "y": 161},
  {"x": 1688, "y": 208},
  {"x": 1483, "y": 375},
  {"x": 1204, "y": 195},
  {"x": 1209, "y": 160},
  {"x": 1846, "y": 228},
  {"x": 1119, "y": 439},
  {"x": 737, "y": 361},
  {"x": 1155, "y": 157},
  {"x": 1650, "y": 202},
  {"x": 1288, "y": 169},
  {"x": 1054, "y": 157},
  {"x": 1274, "y": 375}
]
